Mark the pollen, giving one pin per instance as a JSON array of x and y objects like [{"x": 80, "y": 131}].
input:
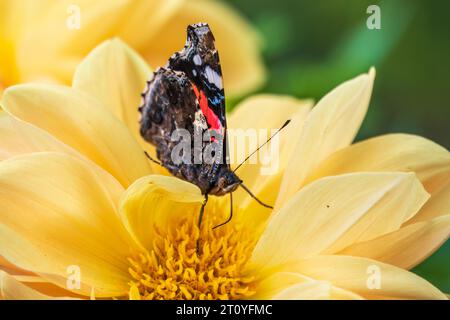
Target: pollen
[{"x": 174, "y": 270}]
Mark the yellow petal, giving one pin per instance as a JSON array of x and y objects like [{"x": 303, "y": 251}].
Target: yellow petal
[
  {"x": 16, "y": 19},
  {"x": 366, "y": 277},
  {"x": 116, "y": 75},
  {"x": 315, "y": 290},
  {"x": 18, "y": 137},
  {"x": 398, "y": 152},
  {"x": 439, "y": 204},
  {"x": 41, "y": 285},
  {"x": 9, "y": 72},
  {"x": 311, "y": 290},
  {"x": 406, "y": 247},
  {"x": 61, "y": 44},
  {"x": 55, "y": 213},
  {"x": 295, "y": 286},
  {"x": 158, "y": 201},
  {"x": 5, "y": 263},
  {"x": 154, "y": 28},
  {"x": 291, "y": 286},
  {"x": 237, "y": 43},
  {"x": 334, "y": 212},
  {"x": 392, "y": 152},
  {"x": 11, "y": 20},
  {"x": 260, "y": 176},
  {"x": 267, "y": 111},
  {"x": 82, "y": 123},
  {"x": 12, "y": 289},
  {"x": 330, "y": 126},
  {"x": 273, "y": 284},
  {"x": 263, "y": 114},
  {"x": 342, "y": 294},
  {"x": 7, "y": 266},
  {"x": 145, "y": 20}
]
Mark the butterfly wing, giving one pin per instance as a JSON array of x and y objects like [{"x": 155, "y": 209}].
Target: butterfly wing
[
  {"x": 188, "y": 94},
  {"x": 171, "y": 119},
  {"x": 199, "y": 60}
]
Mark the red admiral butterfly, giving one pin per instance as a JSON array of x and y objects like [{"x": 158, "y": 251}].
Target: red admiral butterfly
[{"x": 187, "y": 96}]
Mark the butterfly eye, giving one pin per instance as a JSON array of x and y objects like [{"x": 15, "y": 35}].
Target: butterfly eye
[{"x": 222, "y": 183}]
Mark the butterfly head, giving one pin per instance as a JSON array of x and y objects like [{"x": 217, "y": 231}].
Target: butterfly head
[{"x": 227, "y": 182}]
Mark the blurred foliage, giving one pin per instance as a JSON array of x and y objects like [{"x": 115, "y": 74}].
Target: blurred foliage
[{"x": 312, "y": 46}]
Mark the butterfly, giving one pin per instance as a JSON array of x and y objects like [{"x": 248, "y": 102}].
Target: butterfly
[{"x": 186, "y": 97}]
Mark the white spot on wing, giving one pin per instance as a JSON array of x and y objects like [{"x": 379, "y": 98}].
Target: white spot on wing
[
  {"x": 197, "y": 60},
  {"x": 213, "y": 77}
]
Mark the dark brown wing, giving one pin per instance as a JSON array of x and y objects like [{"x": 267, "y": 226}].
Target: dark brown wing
[
  {"x": 171, "y": 116},
  {"x": 199, "y": 60},
  {"x": 187, "y": 94}
]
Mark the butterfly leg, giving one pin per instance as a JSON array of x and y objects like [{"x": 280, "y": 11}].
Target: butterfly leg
[
  {"x": 231, "y": 213},
  {"x": 151, "y": 159},
  {"x": 200, "y": 218}
]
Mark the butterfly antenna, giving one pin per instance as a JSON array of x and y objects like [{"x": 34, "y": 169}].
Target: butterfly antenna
[
  {"x": 254, "y": 197},
  {"x": 231, "y": 213},
  {"x": 251, "y": 154}
]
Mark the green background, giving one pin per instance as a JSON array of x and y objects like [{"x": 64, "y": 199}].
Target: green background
[{"x": 311, "y": 46}]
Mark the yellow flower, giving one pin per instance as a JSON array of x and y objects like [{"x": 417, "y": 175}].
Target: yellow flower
[
  {"x": 39, "y": 39},
  {"x": 77, "y": 190}
]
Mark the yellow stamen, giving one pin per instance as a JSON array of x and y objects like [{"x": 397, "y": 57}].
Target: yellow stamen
[
  {"x": 134, "y": 293},
  {"x": 174, "y": 270}
]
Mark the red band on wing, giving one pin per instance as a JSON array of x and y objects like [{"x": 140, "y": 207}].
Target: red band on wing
[{"x": 209, "y": 114}]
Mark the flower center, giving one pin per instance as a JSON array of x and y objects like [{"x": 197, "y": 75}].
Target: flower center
[{"x": 174, "y": 270}]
